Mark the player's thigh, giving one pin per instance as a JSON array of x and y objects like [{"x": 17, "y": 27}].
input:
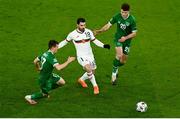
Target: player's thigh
[
  {"x": 43, "y": 82},
  {"x": 88, "y": 63},
  {"x": 119, "y": 52}
]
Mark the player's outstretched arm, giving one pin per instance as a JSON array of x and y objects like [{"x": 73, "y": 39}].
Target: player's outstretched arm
[
  {"x": 62, "y": 43},
  {"x": 103, "y": 29},
  {"x": 65, "y": 64},
  {"x": 100, "y": 44},
  {"x": 36, "y": 63}
]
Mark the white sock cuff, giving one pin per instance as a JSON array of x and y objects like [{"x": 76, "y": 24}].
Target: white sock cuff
[{"x": 90, "y": 75}]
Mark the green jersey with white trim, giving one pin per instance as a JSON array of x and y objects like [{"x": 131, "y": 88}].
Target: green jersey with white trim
[
  {"x": 47, "y": 62},
  {"x": 124, "y": 26}
]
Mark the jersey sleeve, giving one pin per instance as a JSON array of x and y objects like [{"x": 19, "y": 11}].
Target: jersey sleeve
[
  {"x": 39, "y": 58},
  {"x": 53, "y": 61},
  {"x": 69, "y": 37},
  {"x": 133, "y": 25},
  {"x": 113, "y": 20},
  {"x": 92, "y": 37}
]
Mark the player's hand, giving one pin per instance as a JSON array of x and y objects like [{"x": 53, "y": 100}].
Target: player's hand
[
  {"x": 38, "y": 69},
  {"x": 123, "y": 38},
  {"x": 107, "y": 46},
  {"x": 70, "y": 59}
]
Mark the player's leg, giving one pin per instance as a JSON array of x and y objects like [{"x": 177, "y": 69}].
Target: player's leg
[
  {"x": 89, "y": 65},
  {"x": 91, "y": 77},
  {"x": 93, "y": 67},
  {"x": 37, "y": 95},
  {"x": 126, "y": 50},
  {"x": 57, "y": 81},
  {"x": 118, "y": 62},
  {"x": 96, "y": 88},
  {"x": 124, "y": 58},
  {"x": 31, "y": 98},
  {"x": 82, "y": 79}
]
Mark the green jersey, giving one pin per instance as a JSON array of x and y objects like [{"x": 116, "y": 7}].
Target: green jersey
[
  {"x": 47, "y": 62},
  {"x": 124, "y": 26}
]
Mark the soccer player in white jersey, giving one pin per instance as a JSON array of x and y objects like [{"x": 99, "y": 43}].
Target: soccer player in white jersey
[{"x": 81, "y": 37}]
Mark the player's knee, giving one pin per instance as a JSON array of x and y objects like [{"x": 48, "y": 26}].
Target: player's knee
[
  {"x": 123, "y": 62},
  {"x": 61, "y": 82},
  {"x": 119, "y": 55},
  {"x": 121, "y": 59},
  {"x": 88, "y": 68}
]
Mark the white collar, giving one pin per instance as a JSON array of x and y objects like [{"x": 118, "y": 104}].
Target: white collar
[
  {"x": 50, "y": 51},
  {"x": 80, "y": 31}
]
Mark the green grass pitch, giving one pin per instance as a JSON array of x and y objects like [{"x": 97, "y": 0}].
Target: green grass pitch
[{"x": 151, "y": 73}]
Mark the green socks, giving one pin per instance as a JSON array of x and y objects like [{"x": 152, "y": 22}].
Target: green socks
[
  {"x": 116, "y": 65},
  {"x": 37, "y": 95}
]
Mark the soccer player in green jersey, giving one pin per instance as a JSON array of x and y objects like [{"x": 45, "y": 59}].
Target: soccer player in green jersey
[
  {"x": 126, "y": 30},
  {"x": 45, "y": 63}
]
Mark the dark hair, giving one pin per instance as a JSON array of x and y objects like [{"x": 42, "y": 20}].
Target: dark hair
[
  {"x": 52, "y": 43},
  {"x": 125, "y": 7},
  {"x": 80, "y": 20}
]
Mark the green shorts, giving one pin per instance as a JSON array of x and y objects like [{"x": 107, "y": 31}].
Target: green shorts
[
  {"x": 48, "y": 83},
  {"x": 124, "y": 45}
]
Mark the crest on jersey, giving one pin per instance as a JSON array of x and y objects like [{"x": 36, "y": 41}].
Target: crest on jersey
[{"x": 127, "y": 23}]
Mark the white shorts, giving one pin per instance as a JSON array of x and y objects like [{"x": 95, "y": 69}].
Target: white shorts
[{"x": 84, "y": 60}]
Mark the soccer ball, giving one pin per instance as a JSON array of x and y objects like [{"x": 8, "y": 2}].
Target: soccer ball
[{"x": 141, "y": 106}]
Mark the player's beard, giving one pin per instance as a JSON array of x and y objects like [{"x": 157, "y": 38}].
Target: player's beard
[{"x": 82, "y": 30}]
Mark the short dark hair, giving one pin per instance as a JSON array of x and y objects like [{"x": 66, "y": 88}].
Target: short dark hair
[
  {"x": 125, "y": 7},
  {"x": 52, "y": 43},
  {"x": 80, "y": 20}
]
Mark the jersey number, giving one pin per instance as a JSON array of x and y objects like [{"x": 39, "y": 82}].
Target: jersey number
[
  {"x": 123, "y": 26},
  {"x": 87, "y": 34},
  {"x": 43, "y": 60}
]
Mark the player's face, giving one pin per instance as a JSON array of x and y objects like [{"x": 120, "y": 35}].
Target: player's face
[
  {"x": 55, "y": 49},
  {"x": 124, "y": 14},
  {"x": 81, "y": 26}
]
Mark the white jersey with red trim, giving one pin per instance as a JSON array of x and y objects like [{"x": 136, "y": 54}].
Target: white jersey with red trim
[{"x": 81, "y": 41}]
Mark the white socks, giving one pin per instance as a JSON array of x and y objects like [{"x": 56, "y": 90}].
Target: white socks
[
  {"x": 84, "y": 76},
  {"x": 89, "y": 76},
  {"x": 92, "y": 78}
]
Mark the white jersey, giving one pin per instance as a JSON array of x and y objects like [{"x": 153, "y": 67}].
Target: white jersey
[{"x": 82, "y": 42}]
